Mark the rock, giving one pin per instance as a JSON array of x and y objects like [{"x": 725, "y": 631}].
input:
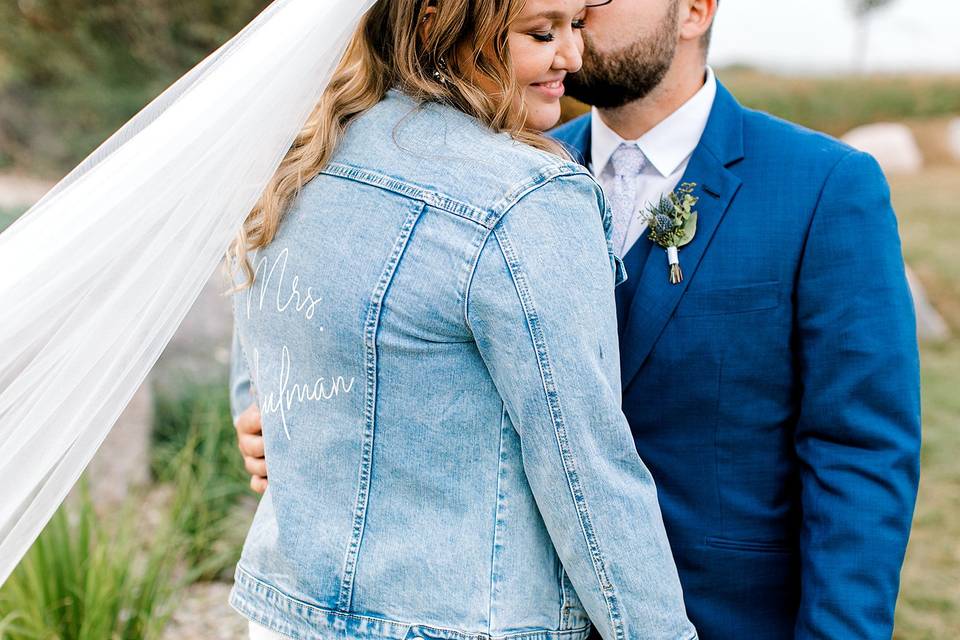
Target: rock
[
  {"x": 123, "y": 461},
  {"x": 19, "y": 191},
  {"x": 931, "y": 327},
  {"x": 892, "y": 144},
  {"x": 953, "y": 138},
  {"x": 200, "y": 349}
]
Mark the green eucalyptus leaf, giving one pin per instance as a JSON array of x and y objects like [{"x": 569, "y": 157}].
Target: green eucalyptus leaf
[{"x": 689, "y": 230}]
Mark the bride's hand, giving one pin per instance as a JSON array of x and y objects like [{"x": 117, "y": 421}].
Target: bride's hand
[{"x": 250, "y": 441}]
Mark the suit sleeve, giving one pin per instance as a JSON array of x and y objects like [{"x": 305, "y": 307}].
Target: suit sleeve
[
  {"x": 858, "y": 436},
  {"x": 542, "y": 310}
]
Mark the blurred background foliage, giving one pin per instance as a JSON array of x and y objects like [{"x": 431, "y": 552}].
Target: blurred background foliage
[
  {"x": 835, "y": 104},
  {"x": 7, "y": 216},
  {"x": 73, "y": 71}
]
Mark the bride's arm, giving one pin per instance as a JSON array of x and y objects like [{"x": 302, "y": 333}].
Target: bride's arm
[{"x": 542, "y": 309}]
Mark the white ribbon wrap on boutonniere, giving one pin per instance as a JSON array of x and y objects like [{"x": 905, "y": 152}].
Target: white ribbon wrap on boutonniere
[
  {"x": 673, "y": 258},
  {"x": 673, "y": 224}
]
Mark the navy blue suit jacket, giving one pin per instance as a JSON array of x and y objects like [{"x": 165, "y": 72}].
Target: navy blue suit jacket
[{"x": 774, "y": 394}]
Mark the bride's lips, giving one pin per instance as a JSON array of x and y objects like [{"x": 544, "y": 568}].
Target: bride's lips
[{"x": 553, "y": 89}]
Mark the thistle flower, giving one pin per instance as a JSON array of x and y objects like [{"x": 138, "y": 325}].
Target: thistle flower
[{"x": 662, "y": 224}]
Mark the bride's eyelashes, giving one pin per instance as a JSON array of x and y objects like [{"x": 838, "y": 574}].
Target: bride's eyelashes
[{"x": 548, "y": 36}]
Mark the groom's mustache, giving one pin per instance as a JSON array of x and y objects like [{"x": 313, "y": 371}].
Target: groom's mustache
[{"x": 613, "y": 79}]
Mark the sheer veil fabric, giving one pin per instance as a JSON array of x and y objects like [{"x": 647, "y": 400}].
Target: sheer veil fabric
[{"x": 97, "y": 276}]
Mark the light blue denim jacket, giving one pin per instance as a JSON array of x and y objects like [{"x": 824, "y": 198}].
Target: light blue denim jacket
[{"x": 432, "y": 340}]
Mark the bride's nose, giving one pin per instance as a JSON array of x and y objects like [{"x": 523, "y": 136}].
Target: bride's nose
[{"x": 569, "y": 52}]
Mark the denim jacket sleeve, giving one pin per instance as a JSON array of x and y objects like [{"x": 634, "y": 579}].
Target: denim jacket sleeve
[
  {"x": 542, "y": 310},
  {"x": 241, "y": 395}
]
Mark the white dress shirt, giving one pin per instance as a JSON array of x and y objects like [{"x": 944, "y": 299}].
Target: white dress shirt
[{"x": 667, "y": 147}]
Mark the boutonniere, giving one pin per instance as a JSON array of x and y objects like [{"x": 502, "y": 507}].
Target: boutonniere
[{"x": 673, "y": 224}]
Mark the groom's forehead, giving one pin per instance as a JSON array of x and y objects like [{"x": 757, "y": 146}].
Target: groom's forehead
[{"x": 638, "y": 11}]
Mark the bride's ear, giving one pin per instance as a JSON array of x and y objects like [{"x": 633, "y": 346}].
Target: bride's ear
[{"x": 426, "y": 21}]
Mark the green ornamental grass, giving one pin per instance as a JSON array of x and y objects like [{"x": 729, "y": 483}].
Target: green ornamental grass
[{"x": 89, "y": 577}]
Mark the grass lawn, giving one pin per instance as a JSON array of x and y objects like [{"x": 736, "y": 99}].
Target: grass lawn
[
  {"x": 929, "y": 209},
  {"x": 836, "y": 104}
]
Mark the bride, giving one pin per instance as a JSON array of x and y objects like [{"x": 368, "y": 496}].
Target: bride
[
  {"x": 445, "y": 269},
  {"x": 474, "y": 476}
]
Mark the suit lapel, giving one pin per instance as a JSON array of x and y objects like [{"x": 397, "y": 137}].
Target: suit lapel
[
  {"x": 575, "y": 137},
  {"x": 655, "y": 298}
]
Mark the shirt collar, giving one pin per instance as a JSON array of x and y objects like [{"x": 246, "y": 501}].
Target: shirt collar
[{"x": 668, "y": 144}]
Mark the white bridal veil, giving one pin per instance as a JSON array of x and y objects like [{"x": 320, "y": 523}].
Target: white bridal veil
[{"x": 97, "y": 276}]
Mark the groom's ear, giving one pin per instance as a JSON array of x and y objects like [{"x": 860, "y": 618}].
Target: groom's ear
[{"x": 696, "y": 21}]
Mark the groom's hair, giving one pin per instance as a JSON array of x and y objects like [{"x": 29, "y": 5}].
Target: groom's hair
[{"x": 705, "y": 39}]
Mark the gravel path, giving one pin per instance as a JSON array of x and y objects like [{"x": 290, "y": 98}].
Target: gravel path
[{"x": 204, "y": 613}]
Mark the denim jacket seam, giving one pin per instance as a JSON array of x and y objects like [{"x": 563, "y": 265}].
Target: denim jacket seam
[
  {"x": 371, "y": 326},
  {"x": 606, "y": 588},
  {"x": 249, "y": 582},
  {"x": 470, "y": 277},
  {"x": 497, "y": 528},
  {"x": 525, "y": 187},
  {"x": 566, "y": 170},
  {"x": 565, "y": 600},
  {"x": 243, "y": 576},
  {"x": 432, "y": 198},
  {"x": 500, "y": 210}
]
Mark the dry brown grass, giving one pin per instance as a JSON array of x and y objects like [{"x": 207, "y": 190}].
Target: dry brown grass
[{"x": 928, "y": 206}]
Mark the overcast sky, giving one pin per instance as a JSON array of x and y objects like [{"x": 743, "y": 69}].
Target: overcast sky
[{"x": 818, "y": 35}]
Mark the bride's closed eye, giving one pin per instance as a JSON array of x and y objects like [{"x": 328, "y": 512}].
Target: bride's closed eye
[
  {"x": 543, "y": 37},
  {"x": 548, "y": 36}
]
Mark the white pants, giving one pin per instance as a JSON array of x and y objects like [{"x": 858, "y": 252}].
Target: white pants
[{"x": 258, "y": 632}]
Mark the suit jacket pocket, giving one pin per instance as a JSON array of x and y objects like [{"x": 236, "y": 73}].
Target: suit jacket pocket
[
  {"x": 741, "y": 299},
  {"x": 757, "y": 546}
]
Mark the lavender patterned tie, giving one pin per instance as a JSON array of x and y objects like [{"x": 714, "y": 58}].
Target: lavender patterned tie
[{"x": 627, "y": 162}]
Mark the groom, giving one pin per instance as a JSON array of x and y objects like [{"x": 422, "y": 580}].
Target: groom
[{"x": 774, "y": 392}]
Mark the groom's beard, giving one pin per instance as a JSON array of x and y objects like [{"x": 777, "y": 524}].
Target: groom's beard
[{"x": 611, "y": 80}]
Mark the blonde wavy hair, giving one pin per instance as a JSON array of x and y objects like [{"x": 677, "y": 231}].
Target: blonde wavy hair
[{"x": 466, "y": 43}]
